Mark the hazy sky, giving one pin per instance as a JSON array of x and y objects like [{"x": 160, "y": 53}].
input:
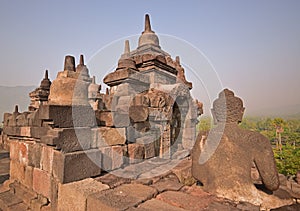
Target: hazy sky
[{"x": 254, "y": 46}]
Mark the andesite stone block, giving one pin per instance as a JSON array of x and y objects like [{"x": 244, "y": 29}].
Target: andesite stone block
[
  {"x": 130, "y": 134},
  {"x": 28, "y": 177},
  {"x": 38, "y": 132},
  {"x": 122, "y": 109},
  {"x": 107, "y": 101},
  {"x": 138, "y": 113},
  {"x": 104, "y": 118},
  {"x": 14, "y": 150},
  {"x": 124, "y": 100},
  {"x": 120, "y": 119},
  {"x": 149, "y": 150},
  {"x": 112, "y": 119},
  {"x": 73, "y": 196},
  {"x": 111, "y": 136},
  {"x": 94, "y": 138},
  {"x": 142, "y": 126},
  {"x": 34, "y": 155},
  {"x": 25, "y": 131},
  {"x": 6, "y": 117},
  {"x": 58, "y": 165},
  {"x": 68, "y": 116},
  {"x": 17, "y": 170},
  {"x": 42, "y": 182},
  {"x": 141, "y": 100},
  {"x": 147, "y": 139},
  {"x": 118, "y": 153},
  {"x": 47, "y": 159},
  {"x": 106, "y": 163},
  {"x": 74, "y": 166},
  {"x": 12, "y": 130},
  {"x": 23, "y": 153},
  {"x": 45, "y": 184},
  {"x": 19, "y": 151},
  {"x": 112, "y": 157},
  {"x": 136, "y": 153},
  {"x": 74, "y": 139}
]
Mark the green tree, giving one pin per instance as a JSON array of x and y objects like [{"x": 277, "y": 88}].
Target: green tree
[
  {"x": 249, "y": 124},
  {"x": 205, "y": 124},
  {"x": 287, "y": 159},
  {"x": 279, "y": 127}
]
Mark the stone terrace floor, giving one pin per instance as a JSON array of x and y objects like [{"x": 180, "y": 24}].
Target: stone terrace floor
[{"x": 155, "y": 184}]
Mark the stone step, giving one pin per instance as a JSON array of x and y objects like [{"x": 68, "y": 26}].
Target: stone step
[
  {"x": 22, "y": 192},
  {"x": 4, "y": 165},
  {"x": 3, "y": 178},
  {"x": 9, "y": 202},
  {"x": 14, "y": 197},
  {"x": 4, "y": 154}
]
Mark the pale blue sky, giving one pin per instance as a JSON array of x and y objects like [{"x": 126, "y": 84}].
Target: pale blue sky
[{"x": 253, "y": 45}]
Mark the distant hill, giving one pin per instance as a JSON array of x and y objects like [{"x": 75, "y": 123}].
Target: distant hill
[
  {"x": 286, "y": 112},
  {"x": 11, "y": 96}
]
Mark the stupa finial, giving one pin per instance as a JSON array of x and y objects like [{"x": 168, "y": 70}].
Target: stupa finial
[
  {"x": 45, "y": 83},
  {"x": 16, "y": 109},
  {"x": 177, "y": 59},
  {"x": 46, "y": 75},
  {"x": 94, "y": 80},
  {"x": 148, "y": 36},
  {"x": 147, "y": 23},
  {"x": 127, "y": 47},
  {"x": 81, "y": 61}
]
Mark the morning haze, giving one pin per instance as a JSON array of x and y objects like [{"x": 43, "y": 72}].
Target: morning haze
[{"x": 254, "y": 46}]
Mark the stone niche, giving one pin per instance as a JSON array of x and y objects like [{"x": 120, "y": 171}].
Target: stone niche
[{"x": 72, "y": 131}]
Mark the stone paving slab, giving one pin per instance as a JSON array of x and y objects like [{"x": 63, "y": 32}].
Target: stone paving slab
[
  {"x": 295, "y": 207},
  {"x": 112, "y": 180},
  {"x": 120, "y": 198},
  {"x": 183, "y": 200},
  {"x": 183, "y": 172},
  {"x": 168, "y": 184},
  {"x": 7, "y": 200},
  {"x": 155, "y": 204},
  {"x": 18, "y": 207},
  {"x": 150, "y": 168},
  {"x": 134, "y": 171},
  {"x": 22, "y": 192},
  {"x": 217, "y": 206},
  {"x": 73, "y": 196}
]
